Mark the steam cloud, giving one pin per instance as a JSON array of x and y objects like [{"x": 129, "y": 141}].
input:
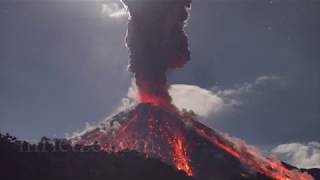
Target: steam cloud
[{"x": 157, "y": 43}]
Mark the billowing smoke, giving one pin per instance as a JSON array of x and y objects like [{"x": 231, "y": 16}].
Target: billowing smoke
[{"x": 157, "y": 43}]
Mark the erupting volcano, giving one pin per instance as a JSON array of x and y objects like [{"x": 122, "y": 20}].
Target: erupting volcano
[{"x": 154, "y": 126}]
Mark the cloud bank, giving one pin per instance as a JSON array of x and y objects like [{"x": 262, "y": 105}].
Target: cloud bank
[{"x": 300, "y": 155}]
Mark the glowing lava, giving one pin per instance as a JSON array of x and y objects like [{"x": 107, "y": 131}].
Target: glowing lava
[{"x": 181, "y": 158}]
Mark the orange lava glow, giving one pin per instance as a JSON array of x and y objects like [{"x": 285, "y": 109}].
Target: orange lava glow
[
  {"x": 155, "y": 94},
  {"x": 149, "y": 99},
  {"x": 181, "y": 158}
]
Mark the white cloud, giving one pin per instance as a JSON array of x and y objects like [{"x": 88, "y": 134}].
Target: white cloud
[
  {"x": 211, "y": 102},
  {"x": 300, "y": 155},
  {"x": 203, "y": 102}
]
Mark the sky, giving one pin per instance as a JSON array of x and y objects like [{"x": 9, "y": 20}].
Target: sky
[{"x": 254, "y": 69}]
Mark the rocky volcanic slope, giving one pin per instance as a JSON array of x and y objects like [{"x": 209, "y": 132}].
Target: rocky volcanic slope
[{"x": 178, "y": 139}]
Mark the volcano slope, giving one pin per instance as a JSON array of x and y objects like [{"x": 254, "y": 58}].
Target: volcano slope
[{"x": 177, "y": 138}]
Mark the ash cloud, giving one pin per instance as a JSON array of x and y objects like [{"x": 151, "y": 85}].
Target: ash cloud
[{"x": 157, "y": 43}]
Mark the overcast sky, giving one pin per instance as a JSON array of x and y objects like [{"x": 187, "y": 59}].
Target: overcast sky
[{"x": 63, "y": 63}]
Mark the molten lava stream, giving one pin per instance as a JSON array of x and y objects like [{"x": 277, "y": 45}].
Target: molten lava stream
[
  {"x": 180, "y": 156},
  {"x": 178, "y": 144}
]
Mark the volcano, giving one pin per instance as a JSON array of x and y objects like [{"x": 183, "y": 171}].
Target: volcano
[
  {"x": 157, "y": 43},
  {"x": 177, "y": 138}
]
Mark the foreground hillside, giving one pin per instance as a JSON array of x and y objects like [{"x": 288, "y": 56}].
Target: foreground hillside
[{"x": 56, "y": 160}]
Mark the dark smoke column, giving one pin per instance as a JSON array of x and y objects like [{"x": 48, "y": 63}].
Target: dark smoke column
[{"x": 157, "y": 43}]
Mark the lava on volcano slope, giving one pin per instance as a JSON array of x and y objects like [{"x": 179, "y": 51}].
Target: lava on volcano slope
[{"x": 179, "y": 139}]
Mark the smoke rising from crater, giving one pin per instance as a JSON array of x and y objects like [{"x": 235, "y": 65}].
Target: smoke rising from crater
[{"x": 157, "y": 43}]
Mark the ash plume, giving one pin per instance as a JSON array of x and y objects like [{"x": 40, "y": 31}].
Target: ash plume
[{"x": 157, "y": 43}]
